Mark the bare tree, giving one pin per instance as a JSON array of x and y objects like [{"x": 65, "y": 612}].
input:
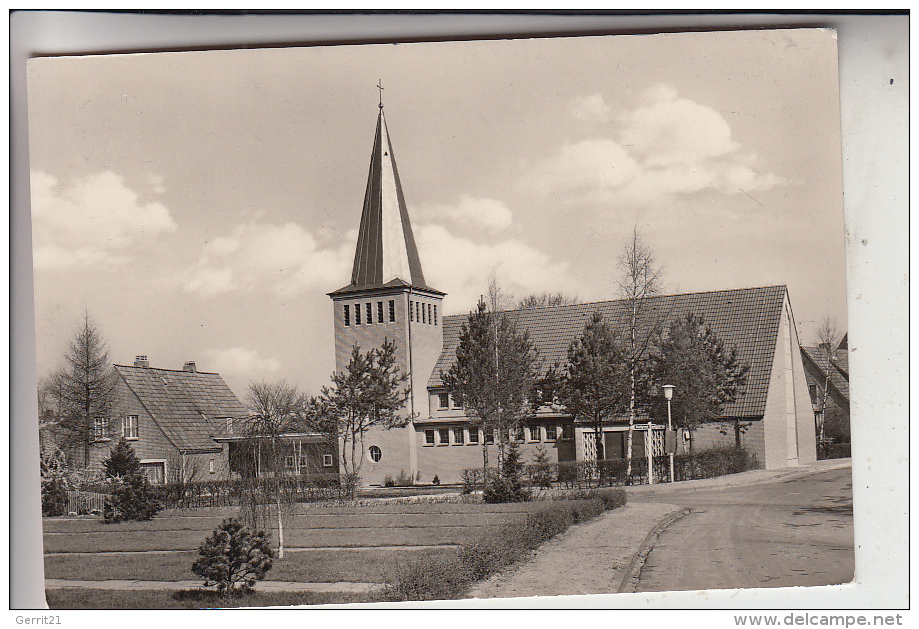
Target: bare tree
[
  {"x": 639, "y": 281},
  {"x": 277, "y": 409},
  {"x": 543, "y": 300},
  {"x": 85, "y": 388},
  {"x": 828, "y": 337}
]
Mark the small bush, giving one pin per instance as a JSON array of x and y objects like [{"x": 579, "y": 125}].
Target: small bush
[
  {"x": 231, "y": 555},
  {"x": 435, "y": 480},
  {"x": 53, "y": 497},
  {"x": 403, "y": 479},
  {"x": 388, "y": 481}
]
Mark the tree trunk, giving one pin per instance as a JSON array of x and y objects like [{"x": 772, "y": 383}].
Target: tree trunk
[{"x": 280, "y": 523}]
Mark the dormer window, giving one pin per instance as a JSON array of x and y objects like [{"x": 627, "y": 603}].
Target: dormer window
[{"x": 444, "y": 399}]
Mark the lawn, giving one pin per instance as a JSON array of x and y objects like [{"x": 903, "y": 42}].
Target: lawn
[{"x": 79, "y": 598}]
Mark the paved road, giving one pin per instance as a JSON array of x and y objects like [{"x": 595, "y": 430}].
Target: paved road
[{"x": 791, "y": 532}]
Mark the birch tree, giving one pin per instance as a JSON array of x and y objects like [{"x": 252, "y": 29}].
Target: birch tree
[
  {"x": 639, "y": 281},
  {"x": 828, "y": 337}
]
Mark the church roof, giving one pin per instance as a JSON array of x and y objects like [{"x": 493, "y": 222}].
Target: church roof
[
  {"x": 746, "y": 318},
  {"x": 185, "y": 404},
  {"x": 386, "y": 249}
]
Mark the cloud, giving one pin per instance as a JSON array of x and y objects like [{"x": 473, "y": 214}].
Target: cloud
[
  {"x": 93, "y": 220},
  {"x": 240, "y": 361},
  {"x": 460, "y": 266},
  {"x": 665, "y": 147},
  {"x": 488, "y": 214},
  {"x": 591, "y": 108},
  {"x": 284, "y": 258}
]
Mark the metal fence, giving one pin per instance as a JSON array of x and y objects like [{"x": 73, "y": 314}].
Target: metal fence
[{"x": 85, "y": 502}]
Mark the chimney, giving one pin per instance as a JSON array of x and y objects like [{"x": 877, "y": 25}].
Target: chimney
[
  {"x": 141, "y": 361},
  {"x": 189, "y": 366}
]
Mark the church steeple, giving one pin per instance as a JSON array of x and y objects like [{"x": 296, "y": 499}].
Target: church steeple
[{"x": 386, "y": 254}]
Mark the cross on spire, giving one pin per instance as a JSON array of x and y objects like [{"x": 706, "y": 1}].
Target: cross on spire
[{"x": 380, "y": 87}]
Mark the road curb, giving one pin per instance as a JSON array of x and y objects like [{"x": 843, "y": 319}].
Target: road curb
[{"x": 645, "y": 547}]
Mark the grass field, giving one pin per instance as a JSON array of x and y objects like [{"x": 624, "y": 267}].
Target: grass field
[
  {"x": 368, "y": 541},
  {"x": 74, "y": 598}
]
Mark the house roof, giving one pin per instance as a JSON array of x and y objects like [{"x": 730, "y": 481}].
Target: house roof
[
  {"x": 746, "y": 318},
  {"x": 839, "y": 372},
  {"x": 185, "y": 404},
  {"x": 386, "y": 248}
]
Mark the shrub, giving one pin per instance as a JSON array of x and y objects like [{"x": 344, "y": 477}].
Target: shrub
[
  {"x": 507, "y": 485},
  {"x": 131, "y": 497},
  {"x": 435, "y": 480},
  {"x": 231, "y": 555},
  {"x": 450, "y": 578},
  {"x": 540, "y": 473},
  {"x": 53, "y": 497},
  {"x": 388, "y": 481},
  {"x": 403, "y": 479}
]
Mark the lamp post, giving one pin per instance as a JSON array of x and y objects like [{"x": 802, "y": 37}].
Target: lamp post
[{"x": 668, "y": 393}]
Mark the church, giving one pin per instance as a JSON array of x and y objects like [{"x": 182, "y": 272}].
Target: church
[{"x": 388, "y": 298}]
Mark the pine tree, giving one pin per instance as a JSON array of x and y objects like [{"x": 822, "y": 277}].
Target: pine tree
[
  {"x": 595, "y": 384},
  {"x": 122, "y": 461},
  {"x": 707, "y": 375},
  {"x": 132, "y": 497}
]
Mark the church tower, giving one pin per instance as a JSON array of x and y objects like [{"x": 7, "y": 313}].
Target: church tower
[{"x": 388, "y": 298}]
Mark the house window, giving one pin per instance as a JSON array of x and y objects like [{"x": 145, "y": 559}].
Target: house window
[
  {"x": 457, "y": 401},
  {"x": 327, "y": 460},
  {"x": 444, "y": 400},
  {"x": 100, "y": 429},
  {"x": 435, "y": 314},
  {"x": 210, "y": 466},
  {"x": 550, "y": 433},
  {"x": 376, "y": 454},
  {"x": 535, "y": 433},
  {"x": 303, "y": 461},
  {"x": 458, "y": 436},
  {"x": 392, "y": 310},
  {"x": 289, "y": 462},
  {"x": 129, "y": 427},
  {"x": 347, "y": 315},
  {"x": 379, "y": 312},
  {"x": 489, "y": 435},
  {"x": 369, "y": 313},
  {"x": 444, "y": 436},
  {"x": 411, "y": 310},
  {"x": 567, "y": 432},
  {"x": 357, "y": 314},
  {"x": 155, "y": 471},
  {"x": 473, "y": 434},
  {"x": 517, "y": 433},
  {"x": 229, "y": 425},
  {"x": 429, "y": 437}
]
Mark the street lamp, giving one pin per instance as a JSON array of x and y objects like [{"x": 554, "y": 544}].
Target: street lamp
[{"x": 668, "y": 393}]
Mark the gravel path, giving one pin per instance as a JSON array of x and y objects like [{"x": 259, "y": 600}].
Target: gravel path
[{"x": 589, "y": 558}]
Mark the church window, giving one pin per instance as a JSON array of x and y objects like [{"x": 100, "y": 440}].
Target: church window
[
  {"x": 347, "y": 314},
  {"x": 435, "y": 314},
  {"x": 458, "y": 436},
  {"x": 357, "y": 314},
  {"x": 444, "y": 436},
  {"x": 392, "y": 310},
  {"x": 417, "y": 311},
  {"x": 379, "y": 312},
  {"x": 376, "y": 454},
  {"x": 429, "y": 437},
  {"x": 473, "y": 434},
  {"x": 411, "y": 310},
  {"x": 444, "y": 400},
  {"x": 424, "y": 318},
  {"x": 369, "y": 313}
]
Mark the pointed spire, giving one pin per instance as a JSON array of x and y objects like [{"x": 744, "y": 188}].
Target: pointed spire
[{"x": 385, "y": 245}]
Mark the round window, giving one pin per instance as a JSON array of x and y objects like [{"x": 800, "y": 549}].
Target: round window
[{"x": 376, "y": 454}]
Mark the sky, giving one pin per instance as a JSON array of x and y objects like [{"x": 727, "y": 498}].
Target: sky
[{"x": 201, "y": 205}]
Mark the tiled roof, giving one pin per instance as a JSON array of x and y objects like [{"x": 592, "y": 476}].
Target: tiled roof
[
  {"x": 746, "y": 318},
  {"x": 184, "y": 403},
  {"x": 839, "y": 374}
]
